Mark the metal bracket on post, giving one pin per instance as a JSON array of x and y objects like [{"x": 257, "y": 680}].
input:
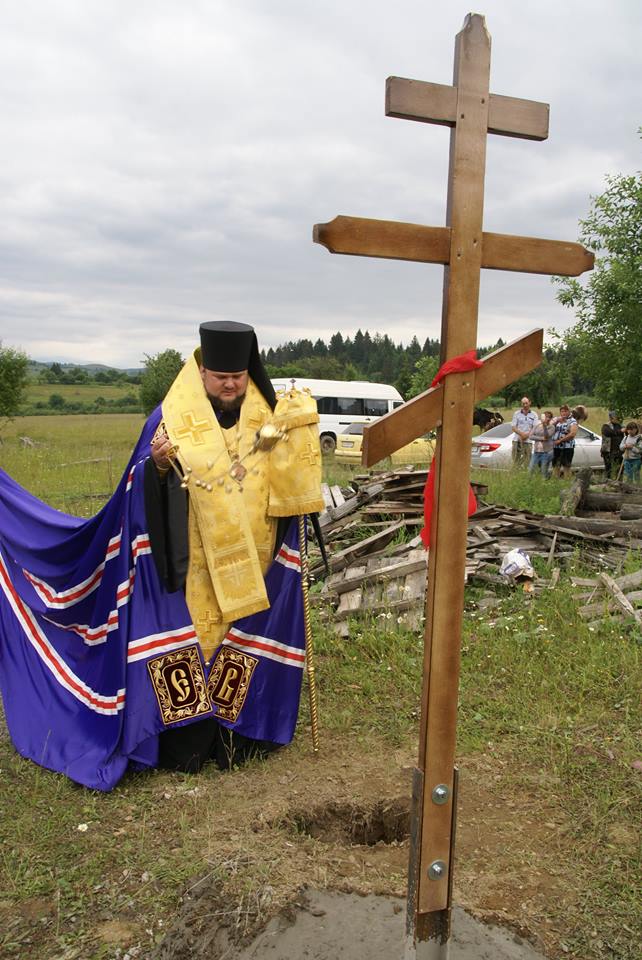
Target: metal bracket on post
[{"x": 428, "y": 934}]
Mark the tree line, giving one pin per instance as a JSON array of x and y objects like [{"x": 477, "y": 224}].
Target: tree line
[
  {"x": 59, "y": 373},
  {"x": 411, "y": 368}
]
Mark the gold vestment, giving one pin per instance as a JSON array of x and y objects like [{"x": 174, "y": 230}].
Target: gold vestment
[{"x": 232, "y": 525}]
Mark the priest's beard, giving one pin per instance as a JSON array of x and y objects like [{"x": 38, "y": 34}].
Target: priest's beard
[{"x": 226, "y": 406}]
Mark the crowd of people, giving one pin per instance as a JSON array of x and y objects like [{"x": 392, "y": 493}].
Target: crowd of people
[{"x": 546, "y": 443}]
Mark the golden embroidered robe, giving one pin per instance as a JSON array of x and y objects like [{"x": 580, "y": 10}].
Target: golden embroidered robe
[{"x": 232, "y": 525}]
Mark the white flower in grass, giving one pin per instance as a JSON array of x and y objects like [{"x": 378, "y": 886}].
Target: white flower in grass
[{"x": 82, "y": 827}]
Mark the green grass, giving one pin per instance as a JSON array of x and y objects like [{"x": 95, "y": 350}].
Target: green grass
[
  {"x": 53, "y": 469},
  {"x": 541, "y": 694},
  {"x": 540, "y": 691},
  {"x": 84, "y": 392},
  {"x": 520, "y": 489},
  {"x": 379, "y": 663},
  {"x": 541, "y": 685}
]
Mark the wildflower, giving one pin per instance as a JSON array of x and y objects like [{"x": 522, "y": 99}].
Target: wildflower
[{"x": 82, "y": 827}]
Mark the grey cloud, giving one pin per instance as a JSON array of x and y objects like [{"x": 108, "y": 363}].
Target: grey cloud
[{"x": 165, "y": 163}]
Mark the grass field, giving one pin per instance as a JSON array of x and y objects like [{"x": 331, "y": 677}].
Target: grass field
[
  {"x": 75, "y": 461},
  {"x": 85, "y": 392},
  {"x": 549, "y": 735}
]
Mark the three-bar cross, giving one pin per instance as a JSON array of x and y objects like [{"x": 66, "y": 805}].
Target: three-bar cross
[{"x": 464, "y": 248}]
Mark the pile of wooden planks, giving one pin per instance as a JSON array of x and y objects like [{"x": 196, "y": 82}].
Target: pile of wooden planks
[
  {"x": 612, "y": 598},
  {"x": 378, "y": 564}
]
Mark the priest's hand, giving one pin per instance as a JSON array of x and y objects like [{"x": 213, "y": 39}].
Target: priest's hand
[{"x": 162, "y": 452}]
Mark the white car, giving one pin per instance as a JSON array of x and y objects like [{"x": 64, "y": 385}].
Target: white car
[{"x": 493, "y": 449}]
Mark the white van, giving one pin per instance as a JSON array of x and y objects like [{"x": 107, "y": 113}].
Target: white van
[{"x": 343, "y": 402}]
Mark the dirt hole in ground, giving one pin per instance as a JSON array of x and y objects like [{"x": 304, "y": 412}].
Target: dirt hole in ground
[{"x": 336, "y": 821}]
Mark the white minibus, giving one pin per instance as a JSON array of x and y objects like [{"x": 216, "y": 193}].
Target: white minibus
[{"x": 343, "y": 402}]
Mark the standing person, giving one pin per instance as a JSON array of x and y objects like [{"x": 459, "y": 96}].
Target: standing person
[
  {"x": 542, "y": 437},
  {"x": 522, "y": 423},
  {"x": 612, "y": 434},
  {"x": 235, "y": 397},
  {"x": 631, "y": 447},
  {"x": 167, "y": 630},
  {"x": 564, "y": 442}
]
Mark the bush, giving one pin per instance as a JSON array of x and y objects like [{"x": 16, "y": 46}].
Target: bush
[
  {"x": 13, "y": 378},
  {"x": 160, "y": 372}
]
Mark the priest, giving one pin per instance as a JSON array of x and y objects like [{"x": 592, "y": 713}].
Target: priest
[{"x": 167, "y": 630}]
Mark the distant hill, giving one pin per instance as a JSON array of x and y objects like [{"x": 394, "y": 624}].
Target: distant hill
[{"x": 36, "y": 366}]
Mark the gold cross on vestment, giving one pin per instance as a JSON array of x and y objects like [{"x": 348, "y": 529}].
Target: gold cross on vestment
[
  {"x": 311, "y": 455},
  {"x": 462, "y": 246},
  {"x": 206, "y": 621},
  {"x": 193, "y": 428},
  {"x": 234, "y": 573}
]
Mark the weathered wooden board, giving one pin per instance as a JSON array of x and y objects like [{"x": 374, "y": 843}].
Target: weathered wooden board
[
  {"x": 396, "y": 240},
  {"x": 437, "y": 103}
]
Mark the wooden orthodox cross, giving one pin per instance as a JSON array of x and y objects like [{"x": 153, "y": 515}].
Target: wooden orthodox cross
[{"x": 471, "y": 112}]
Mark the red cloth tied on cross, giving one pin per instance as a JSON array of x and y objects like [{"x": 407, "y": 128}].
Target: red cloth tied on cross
[{"x": 461, "y": 364}]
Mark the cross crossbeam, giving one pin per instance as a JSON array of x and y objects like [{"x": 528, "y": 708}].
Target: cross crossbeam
[
  {"x": 437, "y": 103},
  {"x": 394, "y": 240},
  {"x": 424, "y": 412}
]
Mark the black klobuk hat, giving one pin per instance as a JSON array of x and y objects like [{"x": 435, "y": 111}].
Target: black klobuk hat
[
  {"x": 230, "y": 347},
  {"x": 226, "y": 345}
]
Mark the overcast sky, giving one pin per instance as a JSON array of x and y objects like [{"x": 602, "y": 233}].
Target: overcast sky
[{"x": 163, "y": 163}]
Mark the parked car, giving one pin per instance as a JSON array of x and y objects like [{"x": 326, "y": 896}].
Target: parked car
[
  {"x": 493, "y": 449},
  {"x": 349, "y": 445}
]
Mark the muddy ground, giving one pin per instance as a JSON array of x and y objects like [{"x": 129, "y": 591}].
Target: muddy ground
[{"x": 296, "y": 828}]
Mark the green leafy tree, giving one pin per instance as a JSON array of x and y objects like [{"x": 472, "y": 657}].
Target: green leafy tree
[
  {"x": 160, "y": 372},
  {"x": 13, "y": 379},
  {"x": 78, "y": 375},
  {"x": 608, "y": 302},
  {"x": 425, "y": 369}
]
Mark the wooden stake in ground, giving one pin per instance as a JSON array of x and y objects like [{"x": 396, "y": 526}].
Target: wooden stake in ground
[{"x": 471, "y": 112}]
